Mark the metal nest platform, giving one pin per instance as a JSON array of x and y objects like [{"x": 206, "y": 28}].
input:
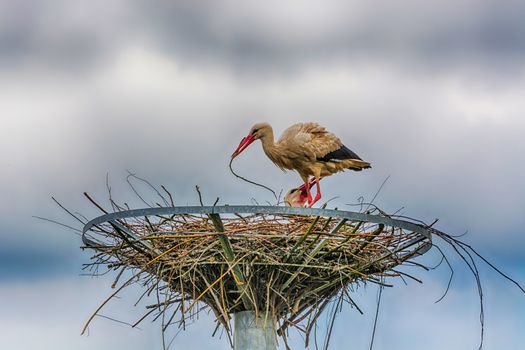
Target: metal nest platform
[{"x": 283, "y": 264}]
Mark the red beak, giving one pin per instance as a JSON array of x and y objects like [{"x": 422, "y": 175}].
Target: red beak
[{"x": 245, "y": 142}]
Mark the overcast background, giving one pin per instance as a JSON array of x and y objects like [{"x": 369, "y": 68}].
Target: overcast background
[{"x": 431, "y": 93}]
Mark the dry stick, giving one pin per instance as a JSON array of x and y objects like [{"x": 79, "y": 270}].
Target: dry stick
[
  {"x": 369, "y": 239},
  {"x": 223, "y": 300},
  {"x": 82, "y": 216},
  {"x": 150, "y": 186},
  {"x": 130, "y": 174},
  {"x": 451, "y": 274},
  {"x": 155, "y": 287},
  {"x": 480, "y": 291},
  {"x": 169, "y": 194},
  {"x": 407, "y": 275},
  {"x": 115, "y": 227},
  {"x": 349, "y": 237},
  {"x": 252, "y": 182},
  {"x": 77, "y": 231},
  {"x": 67, "y": 211},
  {"x": 377, "y": 192},
  {"x": 490, "y": 264},
  {"x": 126, "y": 283},
  {"x": 302, "y": 238},
  {"x": 114, "y": 205},
  {"x": 221, "y": 312},
  {"x": 332, "y": 321},
  {"x": 380, "y": 293},
  {"x": 474, "y": 270},
  {"x": 147, "y": 292},
  {"x": 114, "y": 284},
  {"x": 353, "y": 302},
  {"x": 313, "y": 321},
  {"x": 115, "y": 320},
  {"x": 162, "y": 333},
  {"x": 316, "y": 238},
  {"x": 95, "y": 203},
  {"x": 465, "y": 247},
  {"x": 142, "y": 318},
  {"x": 108, "y": 299},
  {"x": 169, "y": 302},
  {"x": 170, "y": 321},
  {"x": 197, "y": 188}
]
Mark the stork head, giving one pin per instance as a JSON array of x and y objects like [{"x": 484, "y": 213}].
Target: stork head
[
  {"x": 258, "y": 131},
  {"x": 297, "y": 197}
]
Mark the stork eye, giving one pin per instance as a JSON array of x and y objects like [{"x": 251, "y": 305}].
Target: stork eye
[{"x": 254, "y": 131}]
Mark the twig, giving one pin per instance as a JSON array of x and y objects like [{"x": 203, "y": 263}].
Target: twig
[
  {"x": 249, "y": 181},
  {"x": 379, "y": 295},
  {"x": 200, "y": 195},
  {"x": 77, "y": 231}
]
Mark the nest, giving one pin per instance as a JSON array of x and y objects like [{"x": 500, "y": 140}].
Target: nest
[{"x": 284, "y": 266}]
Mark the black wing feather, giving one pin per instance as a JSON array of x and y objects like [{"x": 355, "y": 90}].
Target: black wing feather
[{"x": 339, "y": 154}]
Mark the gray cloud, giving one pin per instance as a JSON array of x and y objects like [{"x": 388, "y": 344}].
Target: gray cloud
[
  {"x": 262, "y": 37},
  {"x": 61, "y": 35}
]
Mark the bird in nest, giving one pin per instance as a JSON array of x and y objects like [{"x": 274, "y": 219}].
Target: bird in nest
[
  {"x": 307, "y": 148},
  {"x": 298, "y": 197}
]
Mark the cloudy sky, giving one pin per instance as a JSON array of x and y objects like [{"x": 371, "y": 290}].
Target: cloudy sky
[{"x": 431, "y": 94}]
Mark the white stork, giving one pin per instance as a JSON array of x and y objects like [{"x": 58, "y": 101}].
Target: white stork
[
  {"x": 297, "y": 197},
  {"x": 307, "y": 148}
]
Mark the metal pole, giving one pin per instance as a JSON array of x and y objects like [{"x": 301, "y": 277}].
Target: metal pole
[{"x": 251, "y": 333}]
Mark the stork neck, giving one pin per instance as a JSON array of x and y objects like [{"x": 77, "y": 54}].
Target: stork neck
[{"x": 269, "y": 146}]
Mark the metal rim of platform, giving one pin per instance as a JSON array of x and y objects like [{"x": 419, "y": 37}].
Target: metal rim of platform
[{"x": 421, "y": 231}]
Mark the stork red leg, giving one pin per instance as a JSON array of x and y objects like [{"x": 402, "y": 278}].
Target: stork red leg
[
  {"x": 308, "y": 194},
  {"x": 317, "y": 195}
]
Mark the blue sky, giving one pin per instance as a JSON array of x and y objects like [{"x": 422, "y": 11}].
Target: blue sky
[{"x": 430, "y": 94}]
